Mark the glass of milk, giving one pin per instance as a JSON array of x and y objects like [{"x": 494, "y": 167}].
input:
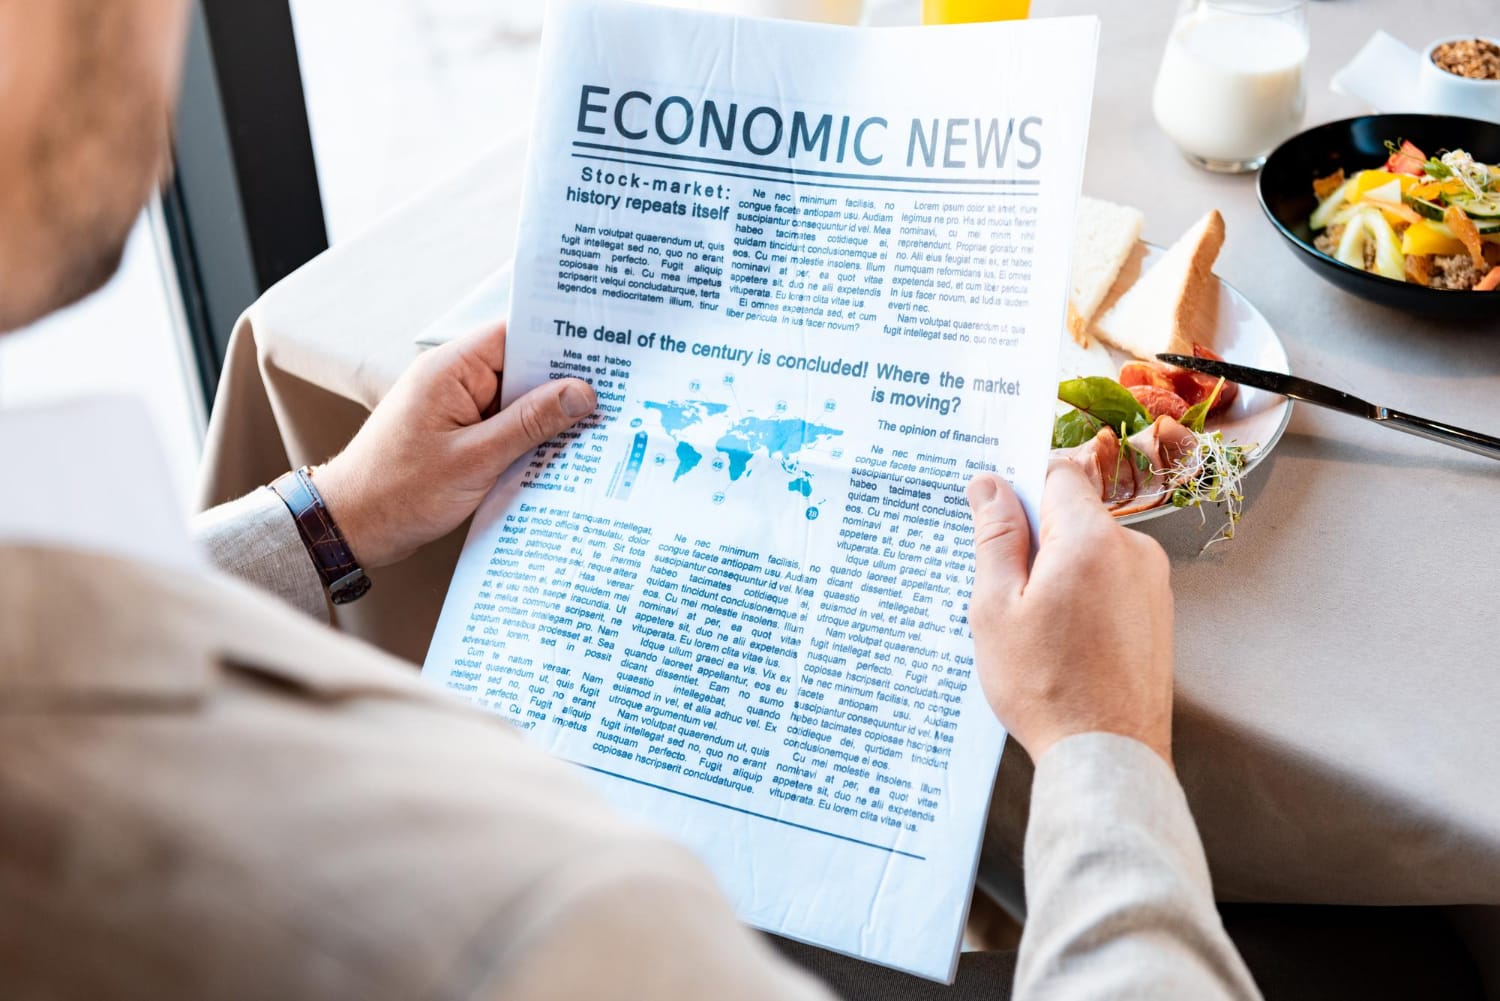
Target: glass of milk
[{"x": 1232, "y": 84}]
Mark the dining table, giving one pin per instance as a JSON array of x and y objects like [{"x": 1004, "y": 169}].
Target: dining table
[{"x": 1337, "y": 720}]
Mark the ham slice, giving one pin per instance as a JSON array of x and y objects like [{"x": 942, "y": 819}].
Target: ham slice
[
  {"x": 1163, "y": 443},
  {"x": 1104, "y": 463},
  {"x": 1124, "y": 487}
]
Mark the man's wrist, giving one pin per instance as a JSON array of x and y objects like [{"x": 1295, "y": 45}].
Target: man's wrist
[
  {"x": 1039, "y": 744},
  {"x": 342, "y": 495},
  {"x": 327, "y": 546}
]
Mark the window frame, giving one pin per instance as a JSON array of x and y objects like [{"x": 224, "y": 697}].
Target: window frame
[{"x": 243, "y": 208}]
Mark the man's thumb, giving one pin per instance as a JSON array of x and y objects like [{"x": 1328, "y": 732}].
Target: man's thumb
[
  {"x": 1002, "y": 539},
  {"x": 535, "y": 418}
]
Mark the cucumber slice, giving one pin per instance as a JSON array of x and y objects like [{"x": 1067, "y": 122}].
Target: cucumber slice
[
  {"x": 1485, "y": 227},
  {"x": 1478, "y": 208},
  {"x": 1426, "y": 209},
  {"x": 1485, "y": 212},
  {"x": 1323, "y": 214}
]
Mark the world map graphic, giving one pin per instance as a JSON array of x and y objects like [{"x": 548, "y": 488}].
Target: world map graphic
[{"x": 745, "y": 443}]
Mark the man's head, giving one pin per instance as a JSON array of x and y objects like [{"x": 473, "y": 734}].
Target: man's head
[{"x": 86, "y": 95}]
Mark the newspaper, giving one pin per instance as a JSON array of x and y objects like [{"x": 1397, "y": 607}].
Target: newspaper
[{"x": 817, "y": 276}]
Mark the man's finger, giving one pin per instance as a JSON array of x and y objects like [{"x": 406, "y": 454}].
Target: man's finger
[
  {"x": 1002, "y": 538},
  {"x": 487, "y": 346},
  {"x": 475, "y": 360},
  {"x": 1070, "y": 503},
  {"x": 537, "y": 417}
]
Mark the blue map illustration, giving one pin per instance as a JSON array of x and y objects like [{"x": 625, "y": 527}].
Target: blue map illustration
[{"x": 699, "y": 426}]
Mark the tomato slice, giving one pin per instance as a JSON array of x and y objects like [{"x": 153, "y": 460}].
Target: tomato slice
[
  {"x": 1145, "y": 373},
  {"x": 1409, "y": 159},
  {"x": 1195, "y": 387},
  {"x": 1189, "y": 386},
  {"x": 1159, "y": 402}
]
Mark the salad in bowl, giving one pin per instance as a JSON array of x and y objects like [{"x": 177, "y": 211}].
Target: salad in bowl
[{"x": 1428, "y": 220}]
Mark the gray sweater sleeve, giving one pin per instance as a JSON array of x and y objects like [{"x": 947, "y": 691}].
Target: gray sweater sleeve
[
  {"x": 255, "y": 539},
  {"x": 1117, "y": 886}
]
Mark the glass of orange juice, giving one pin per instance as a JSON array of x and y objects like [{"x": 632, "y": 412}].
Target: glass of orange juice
[{"x": 963, "y": 11}]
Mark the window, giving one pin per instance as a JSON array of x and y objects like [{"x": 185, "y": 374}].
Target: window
[
  {"x": 127, "y": 339},
  {"x": 403, "y": 92}
]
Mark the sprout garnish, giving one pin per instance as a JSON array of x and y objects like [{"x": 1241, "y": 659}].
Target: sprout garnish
[{"x": 1213, "y": 472}]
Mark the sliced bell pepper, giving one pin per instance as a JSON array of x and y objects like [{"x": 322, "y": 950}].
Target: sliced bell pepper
[
  {"x": 1423, "y": 238},
  {"x": 1370, "y": 180},
  {"x": 1432, "y": 190}
]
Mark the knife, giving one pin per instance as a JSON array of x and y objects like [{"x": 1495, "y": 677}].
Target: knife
[{"x": 1324, "y": 396}]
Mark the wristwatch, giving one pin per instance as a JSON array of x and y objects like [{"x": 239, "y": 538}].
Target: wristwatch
[{"x": 342, "y": 576}]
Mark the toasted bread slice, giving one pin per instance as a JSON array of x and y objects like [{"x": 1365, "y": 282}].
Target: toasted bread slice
[
  {"x": 1105, "y": 234},
  {"x": 1175, "y": 303}
]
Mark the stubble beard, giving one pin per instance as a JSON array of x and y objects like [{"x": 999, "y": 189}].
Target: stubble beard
[{"x": 91, "y": 168}]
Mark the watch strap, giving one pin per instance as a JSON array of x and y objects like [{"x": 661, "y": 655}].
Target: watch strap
[{"x": 340, "y": 572}]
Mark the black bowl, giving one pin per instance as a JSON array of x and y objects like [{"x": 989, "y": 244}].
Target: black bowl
[{"x": 1356, "y": 144}]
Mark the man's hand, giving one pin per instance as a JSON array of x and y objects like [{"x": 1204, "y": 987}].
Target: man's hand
[
  {"x": 436, "y": 444},
  {"x": 1084, "y": 641}
]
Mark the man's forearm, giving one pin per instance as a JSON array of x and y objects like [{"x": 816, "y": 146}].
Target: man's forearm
[
  {"x": 255, "y": 539},
  {"x": 1118, "y": 894}
]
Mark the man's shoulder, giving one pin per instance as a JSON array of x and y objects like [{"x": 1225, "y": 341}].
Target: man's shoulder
[
  {"x": 84, "y": 628},
  {"x": 206, "y": 786}
]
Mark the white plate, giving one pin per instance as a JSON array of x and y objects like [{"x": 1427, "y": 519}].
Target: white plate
[{"x": 1242, "y": 335}]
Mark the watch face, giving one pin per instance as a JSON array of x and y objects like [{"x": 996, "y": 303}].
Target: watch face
[{"x": 350, "y": 588}]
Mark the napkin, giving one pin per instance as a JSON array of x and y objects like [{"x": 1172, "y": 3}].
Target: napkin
[{"x": 1384, "y": 73}]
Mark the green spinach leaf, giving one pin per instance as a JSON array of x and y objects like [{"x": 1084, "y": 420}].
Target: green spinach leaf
[
  {"x": 1197, "y": 414},
  {"x": 1074, "y": 428},
  {"x": 1106, "y": 401}
]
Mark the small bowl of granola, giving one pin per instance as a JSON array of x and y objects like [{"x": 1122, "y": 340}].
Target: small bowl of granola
[{"x": 1461, "y": 76}]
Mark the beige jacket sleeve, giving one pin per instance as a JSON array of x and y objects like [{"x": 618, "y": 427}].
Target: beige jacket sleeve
[
  {"x": 1118, "y": 895},
  {"x": 255, "y": 539}
]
